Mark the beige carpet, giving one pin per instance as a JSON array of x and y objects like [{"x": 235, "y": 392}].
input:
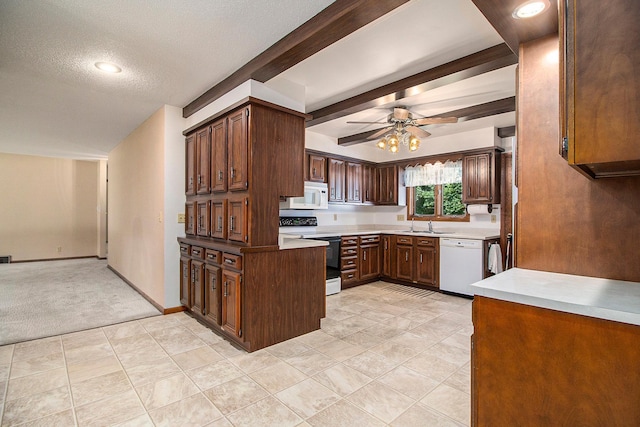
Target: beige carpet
[{"x": 41, "y": 299}]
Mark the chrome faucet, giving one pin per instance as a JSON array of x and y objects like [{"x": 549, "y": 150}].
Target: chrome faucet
[
  {"x": 412, "y": 225},
  {"x": 430, "y": 227}
]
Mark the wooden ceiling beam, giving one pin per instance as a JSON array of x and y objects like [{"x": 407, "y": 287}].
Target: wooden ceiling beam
[
  {"x": 486, "y": 60},
  {"x": 336, "y": 21},
  {"x": 479, "y": 111}
]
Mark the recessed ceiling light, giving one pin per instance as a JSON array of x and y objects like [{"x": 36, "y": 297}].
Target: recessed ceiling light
[
  {"x": 529, "y": 9},
  {"x": 108, "y": 67}
]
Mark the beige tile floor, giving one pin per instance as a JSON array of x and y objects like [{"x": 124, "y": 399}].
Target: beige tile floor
[{"x": 382, "y": 357}]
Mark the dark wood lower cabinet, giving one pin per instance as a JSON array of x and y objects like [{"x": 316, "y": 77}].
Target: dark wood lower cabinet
[
  {"x": 533, "y": 366},
  {"x": 185, "y": 281},
  {"x": 213, "y": 287},
  {"x": 197, "y": 290},
  {"x": 232, "y": 302},
  {"x": 404, "y": 262},
  {"x": 254, "y": 296}
]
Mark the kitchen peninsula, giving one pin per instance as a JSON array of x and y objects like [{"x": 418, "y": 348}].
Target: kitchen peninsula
[{"x": 560, "y": 349}]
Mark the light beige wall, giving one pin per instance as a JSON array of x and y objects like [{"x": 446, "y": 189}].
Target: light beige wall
[
  {"x": 136, "y": 206},
  {"x": 47, "y": 207}
]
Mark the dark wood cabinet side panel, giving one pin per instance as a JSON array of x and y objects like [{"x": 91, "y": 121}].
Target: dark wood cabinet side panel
[
  {"x": 554, "y": 368},
  {"x": 566, "y": 223},
  {"x": 284, "y": 294}
]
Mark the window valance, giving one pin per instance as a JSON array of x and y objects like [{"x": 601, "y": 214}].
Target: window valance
[{"x": 433, "y": 173}]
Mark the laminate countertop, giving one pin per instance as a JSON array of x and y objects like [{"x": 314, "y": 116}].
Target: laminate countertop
[
  {"x": 600, "y": 298},
  {"x": 468, "y": 233}
]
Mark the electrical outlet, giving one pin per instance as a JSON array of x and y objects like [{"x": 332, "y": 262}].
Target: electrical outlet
[
  {"x": 400, "y": 217},
  {"x": 181, "y": 218},
  {"x": 493, "y": 219},
  {"x": 160, "y": 217},
  {"x": 59, "y": 248},
  {"x": 335, "y": 217}
]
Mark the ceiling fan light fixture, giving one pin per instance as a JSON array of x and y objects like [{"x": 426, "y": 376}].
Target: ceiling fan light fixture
[
  {"x": 531, "y": 8},
  {"x": 393, "y": 141},
  {"x": 382, "y": 144},
  {"x": 393, "y": 148}
]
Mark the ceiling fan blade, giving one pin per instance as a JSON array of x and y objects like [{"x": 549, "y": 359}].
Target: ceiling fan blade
[
  {"x": 418, "y": 132},
  {"x": 400, "y": 113},
  {"x": 435, "y": 120},
  {"x": 367, "y": 123}
]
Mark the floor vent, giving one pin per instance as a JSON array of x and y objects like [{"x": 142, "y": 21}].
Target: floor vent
[{"x": 5, "y": 259}]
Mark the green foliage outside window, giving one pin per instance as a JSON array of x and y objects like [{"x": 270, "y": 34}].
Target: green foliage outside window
[
  {"x": 452, "y": 199},
  {"x": 425, "y": 200}
]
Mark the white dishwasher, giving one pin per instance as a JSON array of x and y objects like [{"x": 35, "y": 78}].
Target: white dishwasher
[{"x": 460, "y": 264}]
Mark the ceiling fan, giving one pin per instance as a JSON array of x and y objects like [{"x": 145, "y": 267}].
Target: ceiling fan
[{"x": 403, "y": 128}]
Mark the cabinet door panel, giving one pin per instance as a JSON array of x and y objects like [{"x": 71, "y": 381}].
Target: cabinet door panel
[
  {"x": 190, "y": 166},
  {"x": 203, "y": 147},
  {"x": 197, "y": 290},
  {"x": 203, "y": 219},
  {"x": 231, "y": 302},
  {"x": 404, "y": 262},
  {"x": 368, "y": 184},
  {"x": 185, "y": 281},
  {"x": 317, "y": 168},
  {"x": 219, "y": 219},
  {"x": 219, "y": 156},
  {"x": 386, "y": 256},
  {"x": 426, "y": 266},
  {"x": 238, "y": 220},
  {"x": 213, "y": 285},
  {"x": 190, "y": 218},
  {"x": 354, "y": 182},
  {"x": 336, "y": 180},
  {"x": 238, "y": 144}
]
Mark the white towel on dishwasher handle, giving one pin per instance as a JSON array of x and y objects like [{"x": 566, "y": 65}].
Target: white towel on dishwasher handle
[{"x": 495, "y": 259}]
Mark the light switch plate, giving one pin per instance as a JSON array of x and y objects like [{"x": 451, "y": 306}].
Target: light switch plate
[
  {"x": 181, "y": 218},
  {"x": 400, "y": 218}
]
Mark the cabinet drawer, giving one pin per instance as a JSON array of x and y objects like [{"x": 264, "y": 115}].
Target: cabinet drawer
[
  {"x": 349, "y": 276},
  {"x": 349, "y": 241},
  {"x": 403, "y": 240},
  {"x": 213, "y": 256},
  {"x": 365, "y": 240},
  {"x": 185, "y": 249},
  {"x": 349, "y": 251},
  {"x": 232, "y": 261},
  {"x": 348, "y": 263},
  {"x": 426, "y": 241},
  {"x": 197, "y": 252}
]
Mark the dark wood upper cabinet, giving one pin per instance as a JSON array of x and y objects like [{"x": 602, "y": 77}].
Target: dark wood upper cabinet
[
  {"x": 599, "y": 86},
  {"x": 219, "y": 218},
  {"x": 369, "y": 184},
  {"x": 238, "y": 150},
  {"x": 203, "y": 220},
  {"x": 387, "y": 185},
  {"x": 481, "y": 178},
  {"x": 190, "y": 218},
  {"x": 317, "y": 168},
  {"x": 190, "y": 166},
  {"x": 337, "y": 171},
  {"x": 354, "y": 182},
  {"x": 203, "y": 147},
  {"x": 219, "y": 156},
  {"x": 238, "y": 220}
]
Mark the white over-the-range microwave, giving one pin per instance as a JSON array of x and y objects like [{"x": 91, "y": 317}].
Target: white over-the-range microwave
[{"x": 316, "y": 196}]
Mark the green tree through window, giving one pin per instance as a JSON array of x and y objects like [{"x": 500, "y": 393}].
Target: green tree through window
[{"x": 441, "y": 201}]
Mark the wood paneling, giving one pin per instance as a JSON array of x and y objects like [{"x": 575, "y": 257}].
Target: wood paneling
[
  {"x": 490, "y": 59},
  {"x": 566, "y": 223},
  {"x": 336, "y": 21},
  {"x": 539, "y": 367}
]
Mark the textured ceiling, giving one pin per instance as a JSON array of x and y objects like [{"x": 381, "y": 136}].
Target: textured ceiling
[{"x": 55, "y": 103}]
